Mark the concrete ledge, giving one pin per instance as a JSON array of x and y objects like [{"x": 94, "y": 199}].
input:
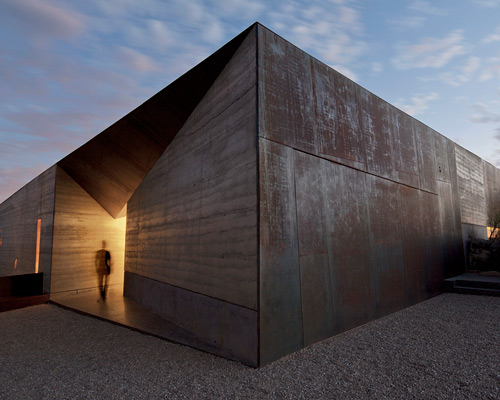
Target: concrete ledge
[
  {"x": 229, "y": 327},
  {"x": 13, "y": 303}
]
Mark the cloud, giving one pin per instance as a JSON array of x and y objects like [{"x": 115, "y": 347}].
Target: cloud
[
  {"x": 419, "y": 103},
  {"x": 464, "y": 73},
  {"x": 14, "y": 178},
  {"x": 491, "y": 70},
  {"x": 412, "y": 22},
  {"x": 43, "y": 20},
  {"x": 376, "y": 68},
  {"x": 333, "y": 32},
  {"x": 430, "y": 52},
  {"x": 136, "y": 60},
  {"x": 483, "y": 115},
  {"x": 427, "y": 8},
  {"x": 488, "y": 3},
  {"x": 494, "y": 37}
]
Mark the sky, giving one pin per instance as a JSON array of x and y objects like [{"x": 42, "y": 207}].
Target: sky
[{"x": 69, "y": 69}]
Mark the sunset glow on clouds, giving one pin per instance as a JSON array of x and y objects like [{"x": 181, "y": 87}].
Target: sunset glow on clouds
[{"x": 70, "y": 69}]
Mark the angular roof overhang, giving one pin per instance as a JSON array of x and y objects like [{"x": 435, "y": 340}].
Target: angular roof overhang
[{"x": 112, "y": 165}]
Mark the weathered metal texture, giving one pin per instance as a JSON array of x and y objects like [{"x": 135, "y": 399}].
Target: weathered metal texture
[
  {"x": 287, "y": 112},
  {"x": 424, "y": 140},
  {"x": 18, "y": 227},
  {"x": 374, "y": 123},
  {"x": 359, "y": 212},
  {"x": 386, "y": 245},
  {"x": 349, "y": 253},
  {"x": 492, "y": 187},
  {"x": 471, "y": 187},
  {"x": 404, "y": 148},
  {"x": 336, "y": 120},
  {"x": 315, "y": 282},
  {"x": 112, "y": 165},
  {"x": 280, "y": 295},
  {"x": 230, "y": 330},
  {"x": 413, "y": 232},
  {"x": 192, "y": 222},
  {"x": 434, "y": 256}
]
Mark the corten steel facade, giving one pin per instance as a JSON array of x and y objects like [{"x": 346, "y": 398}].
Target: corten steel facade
[{"x": 262, "y": 201}]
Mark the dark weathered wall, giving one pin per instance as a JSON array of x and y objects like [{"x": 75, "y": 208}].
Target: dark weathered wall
[
  {"x": 192, "y": 223},
  {"x": 80, "y": 226},
  {"x": 18, "y": 227},
  {"x": 359, "y": 208}
]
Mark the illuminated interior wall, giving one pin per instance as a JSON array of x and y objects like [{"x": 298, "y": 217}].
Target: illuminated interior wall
[
  {"x": 80, "y": 226},
  {"x": 19, "y": 215}
]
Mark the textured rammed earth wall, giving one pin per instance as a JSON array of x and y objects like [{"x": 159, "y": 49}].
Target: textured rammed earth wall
[
  {"x": 191, "y": 244},
  {"x": 359, "y": 204},
  {"x": 18, "y": 227}
]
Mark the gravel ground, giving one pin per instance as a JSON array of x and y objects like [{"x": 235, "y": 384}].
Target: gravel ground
[{"x": 445, "y": 348}]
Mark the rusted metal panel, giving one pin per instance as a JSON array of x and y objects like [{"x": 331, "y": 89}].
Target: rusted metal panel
[
  {"x": 317, "y": 310},
  {"x": 347, "y": 232},
  {"x": 413, "y": 244},
  {"x": 280, "y": 302},
  {"x": 375, "y": 124},
  {"x": 404, "y": 151},
  {"x": 337, "y": 116},
  {"x": 441, "y": 149},
  {"x": 492, "y": 189},
  {"x": 385, "y": 244},
  {"x": 471, "y": 187},
  {"x": 286, "y": 93},
  {"x": 450, "y": 232},
  {"x": 426, "y": 156},
  {"x": 433, "y": 245}
]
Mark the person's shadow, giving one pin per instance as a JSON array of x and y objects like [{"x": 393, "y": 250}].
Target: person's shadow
[{"x": 103, "y": 269}]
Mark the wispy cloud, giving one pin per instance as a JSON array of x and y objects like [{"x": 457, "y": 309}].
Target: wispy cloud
[
  {"x": 491, "y": 69},
  {"x": 494, "y": 37},
  {"x": 136, "y": 60},
  {"x": 489, "y": 116},
  {"x": 430, "y": 52},
  {"x": 427, "y": 8},
  {"x": 488, "y": 3},
  {"x": 418, "y": 103},
  {"x": 408, "y": 22},
  {"x": 13, "y": 179},
  {"x": 331, "y": 32},
  {"x": 43, "y": 20},
  {"x": 483, "y": 115},
  {"x": 463, "y": 73}
]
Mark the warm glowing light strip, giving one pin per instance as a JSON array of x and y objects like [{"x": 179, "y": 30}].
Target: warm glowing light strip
[{"x": 37, "y": 255}]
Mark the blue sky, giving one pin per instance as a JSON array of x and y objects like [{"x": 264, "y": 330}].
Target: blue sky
[{"x": 69, "y": 69}]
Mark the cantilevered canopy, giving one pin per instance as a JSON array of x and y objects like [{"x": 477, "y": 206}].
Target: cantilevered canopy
[{"x": 112, "y": 165}]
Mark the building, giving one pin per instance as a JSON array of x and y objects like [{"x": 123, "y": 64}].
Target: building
[{"x": 262, "y": 201}]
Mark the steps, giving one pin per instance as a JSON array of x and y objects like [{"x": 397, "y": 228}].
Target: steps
[{"x": 470, "y": 283}]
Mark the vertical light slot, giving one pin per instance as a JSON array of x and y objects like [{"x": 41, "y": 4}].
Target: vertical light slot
[{"x": 37, "y": 255}]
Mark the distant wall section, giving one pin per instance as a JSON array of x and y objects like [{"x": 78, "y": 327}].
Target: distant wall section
[{"x": 19, "y": 216}]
